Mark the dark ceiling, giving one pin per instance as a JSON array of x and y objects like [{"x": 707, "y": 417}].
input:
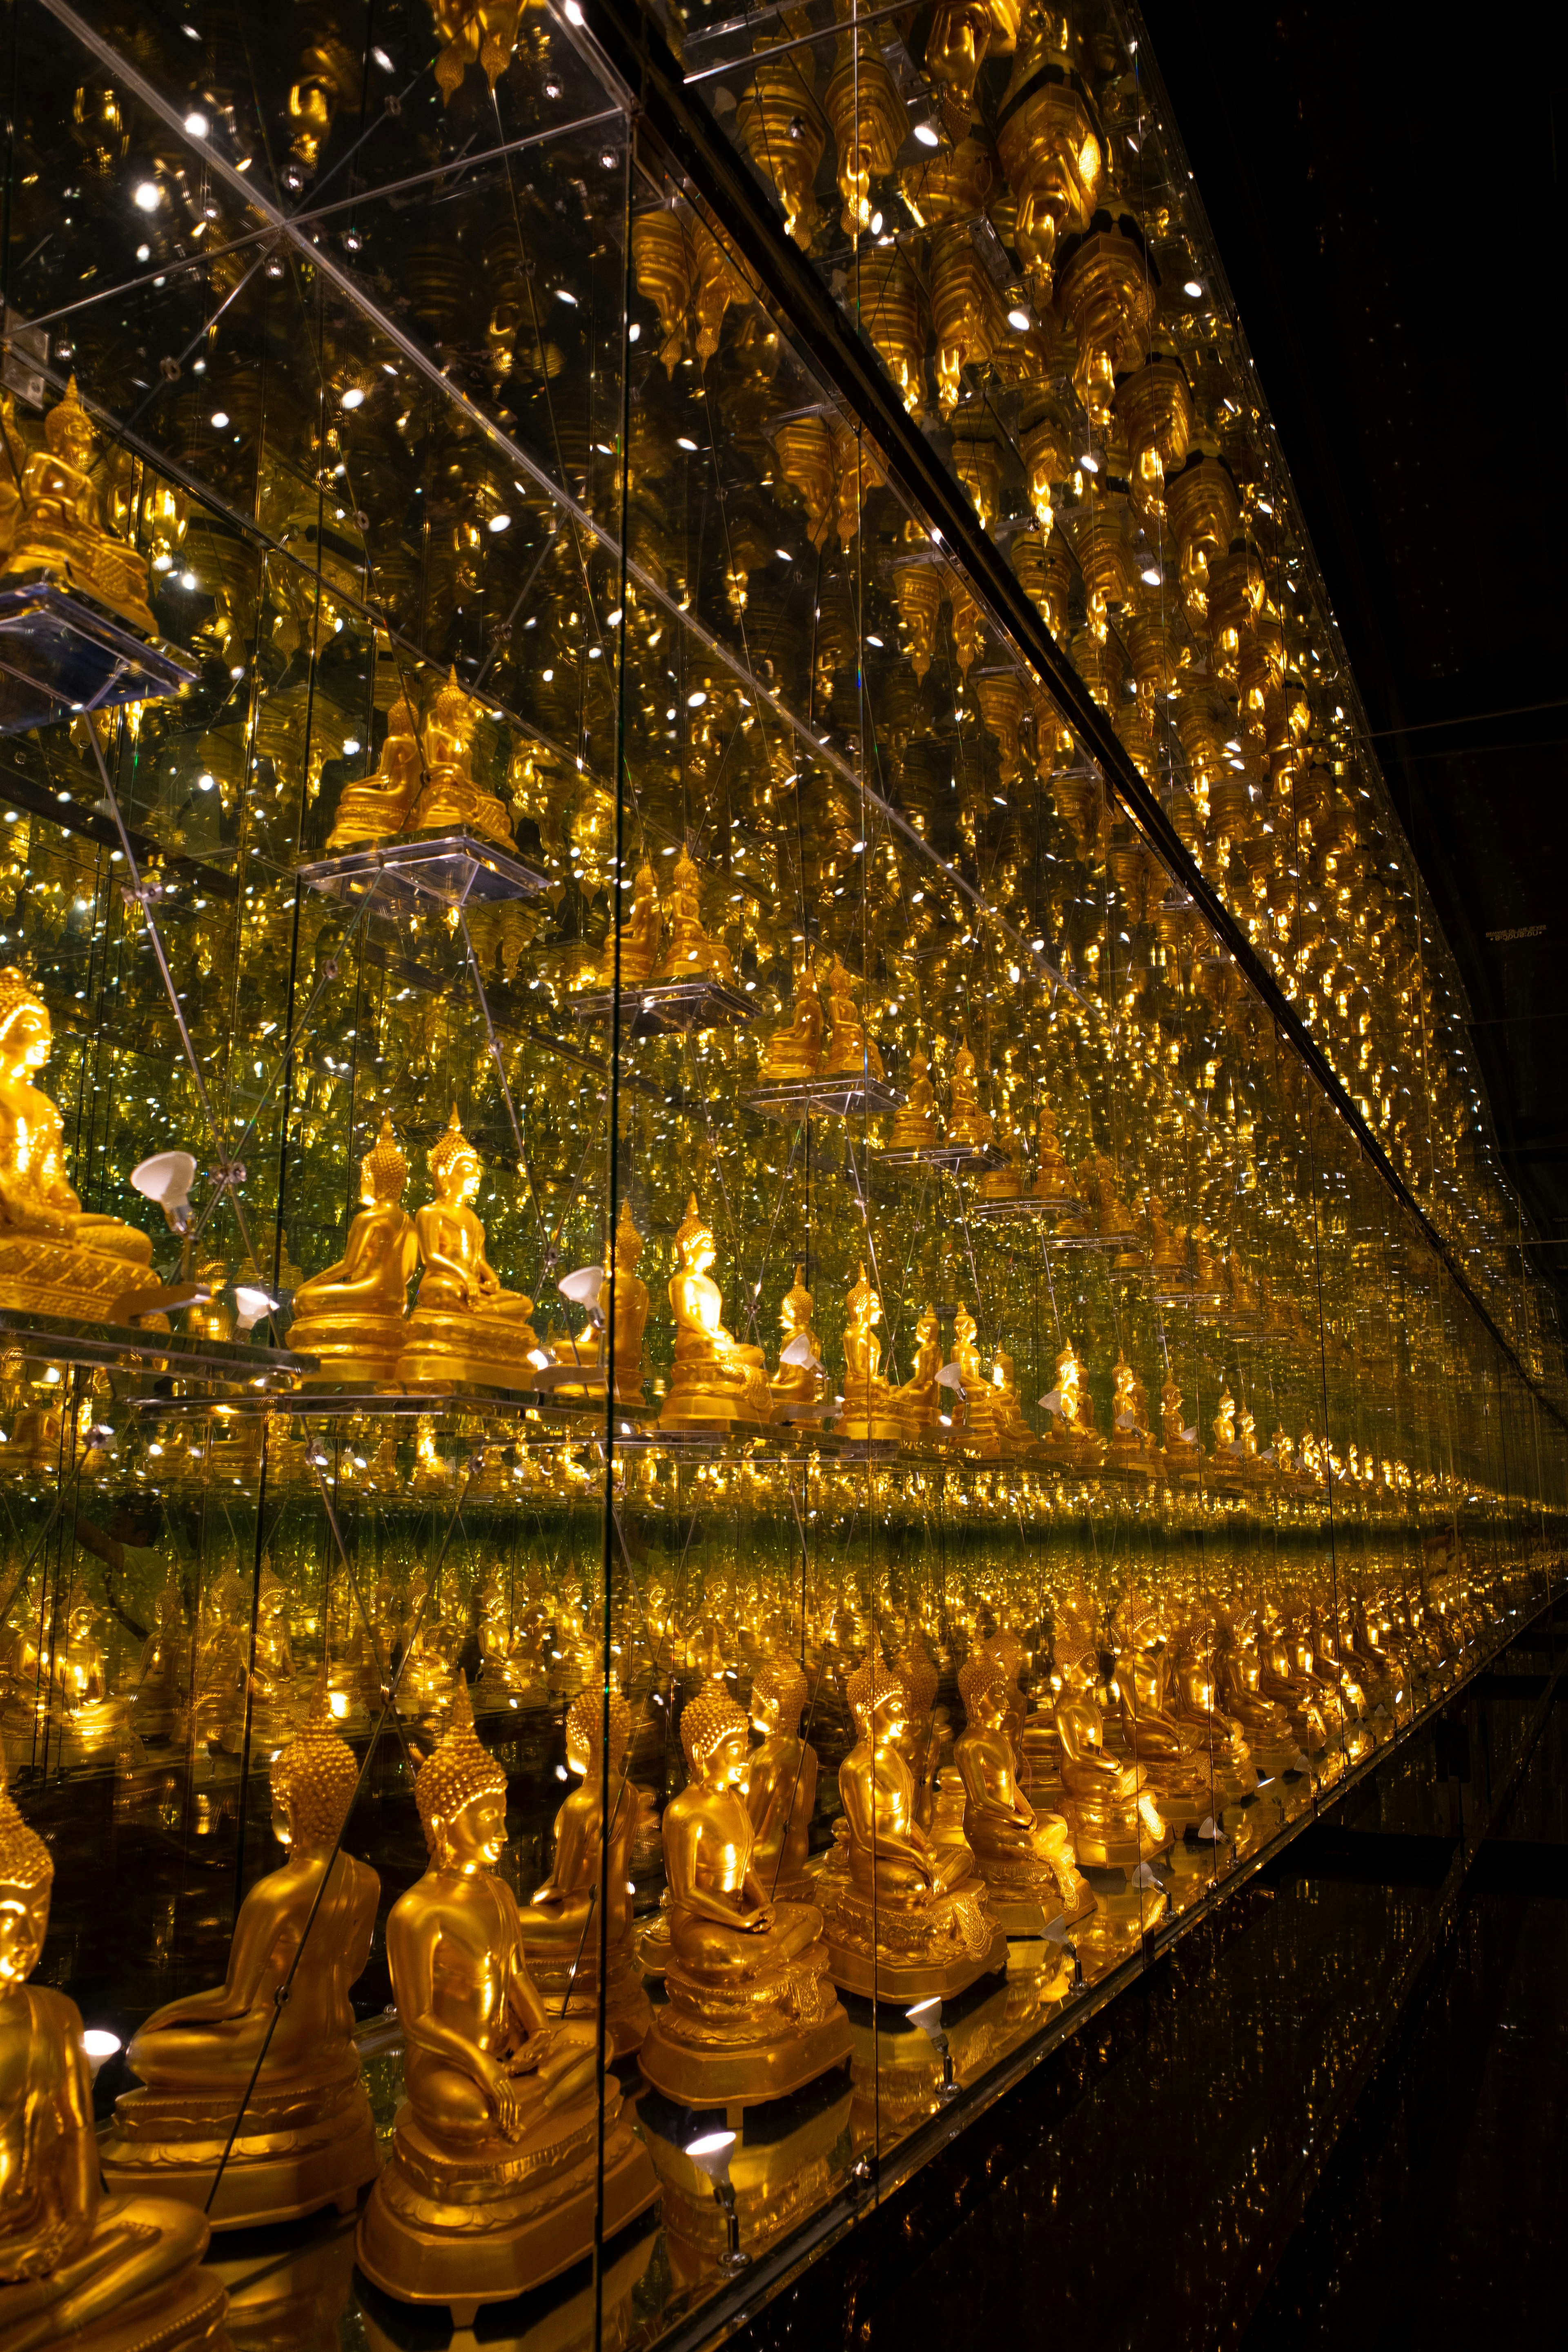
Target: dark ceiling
[{"x": 1386, "y": 189}]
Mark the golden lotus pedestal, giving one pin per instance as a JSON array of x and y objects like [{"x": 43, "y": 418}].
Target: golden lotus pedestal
[
  {"x": 184, "y": 2318},
  {"x": 45, "y": 1277},
  {"x": 364, "y": 1354},
  {"x": 304, "y": 2145},
  {"x": 888, "y": 1952},
  {"x": 440, "y": 1348},
  {"x": 505, "y": 2215},
  {"x": 719, "y": 2042},
  {"x": 558, "y": 2316}
]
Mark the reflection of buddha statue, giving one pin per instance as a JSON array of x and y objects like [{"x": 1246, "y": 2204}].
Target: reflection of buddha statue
[
  {"x": 452, "y": 800},
  {"x": 306, "y": 2137},
  {"x": 795, "y": 1051},
  {"x": 1013, "y": 1434},
  {"x": 750, "y": 2014},
  {"x": 1053, "y": 1178},
  {"x": 906, "y": 1917},
  {"x": 1279, "y": 1679},
  {"x": 716, "y": 1383},
  {"x": 560, "y": 1924},
  {"x": 850, "y": 1052},
  {"x": 1167, "y": 1751},
  {"x": 781, "y": 1786},
  {"x": 1266, "y": 1725},
  {"x": 1194, "y": 1703},
  {"x": 1007, "y": 1182},
  {"x": 274, "y": 1695},
  {"x": 914, "y": 1126},
  {"x": 795, "y": 1383},
  {"x": 59, "y": 534},
  {"x": 688, "y": 952},
  {"x": 75, "y": 2267},
  {"x": 1073, "y": 1439},
  {"x": 351, "y": 1315},
  {"x": 502, "y": 1680},
  {"x": 639, "y": 936},
  {"x": 624, "y": 1295},
  {"x": 869, "y": 1409},
  {"x": 90, "y": 1727},
  {"x": 492, "y": 2181},
  {"x": 979, "y": 1438},
  {"x": 377, "y": 808},
  {"x": 1110, "y": 1810},
  {"x": 465, "y": 1324},
  {"x": 1180, "y": 1447},
  {"x": 160, "y": 1703},
  {"x": 223, "y": 1664},
  {"x": 919, "y": 1398},
  {"x": 1130, "y": 1438},
  {"x": 1024, "y": 1857},
  {"x": 55, "y": 1258},
  {"x": 967, "y": 1124}
]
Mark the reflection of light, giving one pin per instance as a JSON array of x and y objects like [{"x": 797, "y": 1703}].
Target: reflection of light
[
  {"x": 1019, "y": 322},
  {"x": 146, "y": 197},
  {"x": 196, "y": 124},
  {"x": 220, "y": 418},
  {"x": 99, "y": 2043},
  {"x": 501, "y": 522},
  {"x": 928, "y": 135},
  {"x": 353, "y": 397},
  {"x": 339, "y": 1702}
]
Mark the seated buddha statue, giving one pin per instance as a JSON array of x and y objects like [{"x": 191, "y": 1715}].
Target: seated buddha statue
[
  {"x": 623, "y": 1299},
  {"x": 1170, "y": 1276},
  {"x": 59, "y": 533},
  {"x": 688, "y": 952},
  {"x": 919, "y": 1401},
  {"x": 1072, "y": 1439},
  {"x": 967, "y": 1124},
  {"x": 503, "y": 1680},
  {"x": 905, "y": 1918},
  {"x": 451, "y": 799},
  {"x": 1130, "y": 1438},
  {"x": 798, "y": 1385},
  {"x": 1279, "y": 1679},
  {"x": 850, "y": 1052},
  {"x": 914, "y": 1123},
  {"x": 90, "y": 1727},
  {"x": 716, "y": 1380},
  {"x": 978, "y": 1437},
  {"x": 493, "y": 2179},
  {"x": 1167, "y": 1751},
  {"x": 795, "y": 1050},
  {"x": 1109, "y": 1804},
  {"x": 1178, "y": 1444},
  {"x": 1194, "y": 1703},
  {"x": 781, "y": 1785},
  {"x": 351, "y": 1315},
  {"x": 750, "y": 2014},
  {"x": 378, "y": 807},
  {"x": 561, "y": 1922},
  {"x": 1266, "y": 1726},
  {"x": 275, "y": 1695},
  {"x": 223, "y": 1666},
  {"x": 306, "y": 2137},
  {"x": 465, "y": 1324},
  {"x": 639, "y": 935},
  {"x": 161, "y": 1700},
  {"x": 1053, "y": 1178},
  {"x": 76, "y": 2267},
  {"x": 55, "y": 1257},
  {"x": 1017, "y": 1439},
  {"x": 1025, "y": 1858},
  {"x": 869, "y": 1410}
]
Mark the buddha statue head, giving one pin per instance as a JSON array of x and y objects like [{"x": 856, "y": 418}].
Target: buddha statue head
[
  {"x": 460, "y": 1790},
  {"x": 68, "y": 429},
  {"x": 795, "y": 1310},
  {"x": 585, "y": 1731},
  {"x": 27, "y": 1876},
  {"x": 313, "y": 1780},
  {"x": 878, "y": 1700},
  {"x": 983, "y": 1687},
  {"x": 694, "y": 1242},
  {"x": 454, "y": 1168},
  {"x": 715, "y": 1738},
  {"x": 25, "y": 1034},
  {"x": 863, "y": 1306},
  {"x": 626, "y": 1245},
  {"x": 383, "y": 1171},
  {"x": 778, "y": 1697}
]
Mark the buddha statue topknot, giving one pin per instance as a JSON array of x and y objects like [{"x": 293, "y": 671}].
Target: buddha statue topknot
[
  {"x": 492, "y": 2180},
  {"x": 351, "y": 1315},
  {"x": 306, "y": 2137},
  {"x": 750, "y": 2014},
  {"x": 99, "y": 2274},
  {"x": 55, "y": 1257}
]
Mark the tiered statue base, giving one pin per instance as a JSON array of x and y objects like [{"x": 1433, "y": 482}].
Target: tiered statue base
[
  {"x": 744, "y": 1405},
  {"x": 1021, "y": 1885},
  {"x": 182, "y": 2318},
  {"x": 505, "y": 2215},
  {"x": 302, "y": 2148},
  {"x": 900, "y": 1955},
  {"x": 41, "y": 1277},
  {"x": 365, "y": 1352},
  {"x": 716, "y": 2042},
  {"x": 1118, "y": 1844},
  {"x": 571, "y": 1990},
  {"x": 438, "y": 1348}
]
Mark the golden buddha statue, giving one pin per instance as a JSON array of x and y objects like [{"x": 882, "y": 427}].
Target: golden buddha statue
[
  {"x": 306, "y": 2137},
  {"x": 967, "y": 1124},
  {"x": 781, "y": 1784},
  {"x": 978, "y": 1437},
  {"x": 59, "y": 534},
  {"x": 1279, "y": 1679},
  {"x": 795, "y": 1051},
  {"x": 560, "y": 1924},
  {"x": 796, "y": 1384},
  {"x": 378, "y": 807},
  {"x": 1109, "y": 1218},
  {"x": 919, "y": 1401},
  {"x": 275, "y": 1695},
  {"x": 623, "y": 1296},
  {"x": 1167, "y": 1751},
  {"x": 869, "y": 1410},
  {"x": 716, "y": 1382},
  {"x": 639, "y": 935},
  {"x": 750, "y": 2014},
  {"x": 1130, "y": 1438},
  {"x": 1053, "y": 1178},
  {"x": 160, "y": 1703},
  {"x": 491, "y": 2185},
  {"x": 1194, "y": 1703},
  {"x": 452, "y": 798},
  {"x": 1108, "y": 1805},
  {"x": 1017, "y": 1438},
  {"x": 688, "y": 952},
  {"x": 352, "y": 1315},
  {"x": 914, "y": 1125},
  {"x": 850, "y": 1052},
  {"x": 223, "y": 1667},
  {"x": 905, "y": 1918},
  {"x": 89, "y": 1728},
  {"x": 102, "y": 2273},
  {"x": 1007, "y": 1182},
  {"x": 1025, "y": 1858},
  {"x": 1073, "y": 1439},
  {"x": 55, "y": 1257},
  {"x": 503, "y": 1682},
  {"x": 1266, "y": 1726},
  {"x": 1180, "y": 1446},
  {"x": 465, "y": 1324}
]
